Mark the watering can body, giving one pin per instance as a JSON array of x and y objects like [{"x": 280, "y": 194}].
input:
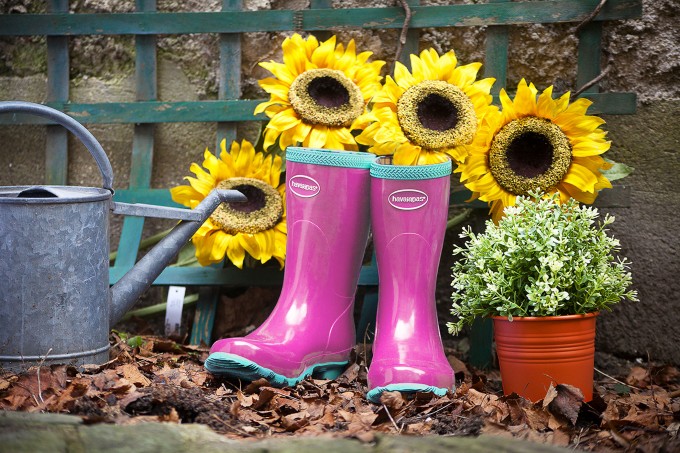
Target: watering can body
[
  {"x": 56, "y": 305},
  {"x": 54, "y": 272}
]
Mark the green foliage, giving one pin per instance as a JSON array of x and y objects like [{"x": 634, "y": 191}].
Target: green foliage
[
  {"x": 135, "y": 342},
  {"x": 618, "y": 170},
  {"x": 542, "y": 259}
]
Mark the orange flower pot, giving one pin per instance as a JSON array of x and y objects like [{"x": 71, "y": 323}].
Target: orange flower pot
[{"x": 535, "y": 352}]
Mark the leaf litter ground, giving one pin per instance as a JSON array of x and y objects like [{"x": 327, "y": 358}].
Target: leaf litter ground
[{"x": 636, "y": 408}]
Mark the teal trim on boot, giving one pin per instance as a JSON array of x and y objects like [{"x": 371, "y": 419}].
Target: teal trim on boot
[
  {"x": 330, "y": 158},
  {"x": 374, "y": 395},
  {"x": 382, "y": 168},
  {"x": 222, "y": 363}
]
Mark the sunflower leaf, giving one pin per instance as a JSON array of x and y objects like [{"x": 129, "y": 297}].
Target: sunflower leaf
[{"x": 618, "y": 170}]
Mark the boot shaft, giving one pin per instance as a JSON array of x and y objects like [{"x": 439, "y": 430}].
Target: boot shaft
[
  {"x": 327, "y": 203},
  {"x": 327, "y": 213},
  {"x": 409, "y": 209}
]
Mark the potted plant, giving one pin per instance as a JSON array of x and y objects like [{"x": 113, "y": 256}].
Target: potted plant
[{"x": 542, "y": 273}]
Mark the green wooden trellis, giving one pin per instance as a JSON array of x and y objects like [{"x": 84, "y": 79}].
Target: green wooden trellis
[{"x": 145, "y": 23}]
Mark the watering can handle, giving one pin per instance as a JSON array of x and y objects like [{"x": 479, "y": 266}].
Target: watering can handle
[{"x": 72, "y": 125}]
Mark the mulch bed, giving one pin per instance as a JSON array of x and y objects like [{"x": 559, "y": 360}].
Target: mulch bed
[{"x": 636, "y": 408}]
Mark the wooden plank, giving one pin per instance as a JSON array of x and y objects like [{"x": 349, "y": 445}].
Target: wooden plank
[
  {"x": 459, "y": 197},
  {"x": 321, "y": 35},
  {"x": 495, "y": 65},
  {"x": 209, "y": 276},
  {"x": 589, "y": 56},
  {"x": 229, "y": 75},
  {"x": 460, "y": 15},
  {"x": 481, "y": 343},
  {"x": 496, "y": 58},
  {"x": 366, "y": 325},
  {"x": 152, "y": 112},
  {"x": 148, "y": 196},
  {"x": 204, "y": 316},
  {"x": 162, "y": 197},
  {"x": 130, "y": 236},
  {"x": 612, "y": 103},
  {"x": 56, "y": 151},
  {"x": 142, "y": 141},
  {"x": 229, "y": 88},
  {"x": 142, "y": 156},
  {"x": 233, "y": 110}
]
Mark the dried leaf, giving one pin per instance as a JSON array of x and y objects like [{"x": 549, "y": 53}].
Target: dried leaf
[
  {"x": 359, "y": 422},
  {"x": 316, "y": 408},
  {"x": 284, "y": 405},
  {"x": 458, "y": 366},
  {"x": 536, "y": 418},
  {"x": 646, "y": 420},
  {"x": 166, "y": 345},
  {"x": 255, "y": 385},
  {"x": 350, "y": 374},
  {"x": 199, "y": 377},
  {"x": 244, "y": 400},
  {"x": 293, "y": 422},
  {"x": 638, "y": 377},
  {"x": 14, "y": 401},
  {"x": 328, "y": 420},
  {"x": 420, "y": 428},
  {"x": 393, "y": 400},
  {"x": 132, "y": 374},
  {"x": 566, "y": 403},
  {"x": 129, "y": 398}
]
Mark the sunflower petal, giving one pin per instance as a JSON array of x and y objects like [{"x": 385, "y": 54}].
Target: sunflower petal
[
  {"x": 317, "y": 137},
  {"x": 581, "y": 177}
]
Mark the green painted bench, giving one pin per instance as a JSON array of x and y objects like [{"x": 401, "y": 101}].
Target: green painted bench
[{"x": 58, "y": 25}]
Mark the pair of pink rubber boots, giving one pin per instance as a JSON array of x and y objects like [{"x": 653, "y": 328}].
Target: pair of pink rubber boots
[{"x": 332, "y": 196}]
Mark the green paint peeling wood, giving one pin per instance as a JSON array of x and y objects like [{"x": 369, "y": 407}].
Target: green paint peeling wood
[
  {"x": 321, "y": 19},
  {"x": 234, "y": 110}
]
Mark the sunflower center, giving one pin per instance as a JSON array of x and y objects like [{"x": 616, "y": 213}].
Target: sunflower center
[
  {"x": 256, "y": 199},
  {"x": 529, "y": 153},
  {"x": 435, "y": 114},
  {"x": 328, "y": 92},
  {"x": 327, "y": 97},
  {"x": 261, "y": 212}
]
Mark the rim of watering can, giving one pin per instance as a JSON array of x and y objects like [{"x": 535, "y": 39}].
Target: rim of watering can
[
  {"x": 74, "y": 127},
  {"x": 60, "y": 194}
]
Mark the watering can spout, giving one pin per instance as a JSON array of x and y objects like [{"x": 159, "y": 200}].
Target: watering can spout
[{"x": 137, "y": 280}]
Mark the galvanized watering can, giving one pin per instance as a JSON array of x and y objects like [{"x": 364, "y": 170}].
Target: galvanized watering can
[{"x": 55, "y": 300}]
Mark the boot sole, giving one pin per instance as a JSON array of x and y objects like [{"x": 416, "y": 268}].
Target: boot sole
[
  {"x": 224, "y": 364},
  {"x": 374, "y": 395}
]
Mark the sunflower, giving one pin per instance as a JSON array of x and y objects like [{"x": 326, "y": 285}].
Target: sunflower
[
  {"x": 317, "y": 93},
  {"x": 424, "y": 117},
  {"x": 536, "y": 144},
  {"x": 257, "y": 226}
]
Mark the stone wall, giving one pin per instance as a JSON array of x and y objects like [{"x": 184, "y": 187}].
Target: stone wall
[{"x": 642, "y": 54}]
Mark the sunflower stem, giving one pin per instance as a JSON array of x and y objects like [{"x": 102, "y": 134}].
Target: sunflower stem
[
  {"x": 144, "y": 243},
  {"x": 457, "y": 220},
  {"x": 158, "y": 308}
]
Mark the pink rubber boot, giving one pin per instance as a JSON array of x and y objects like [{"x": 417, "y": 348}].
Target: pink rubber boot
[
  {"x": 409, "y": 209},
  {"x": 311, "y": 329}
]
